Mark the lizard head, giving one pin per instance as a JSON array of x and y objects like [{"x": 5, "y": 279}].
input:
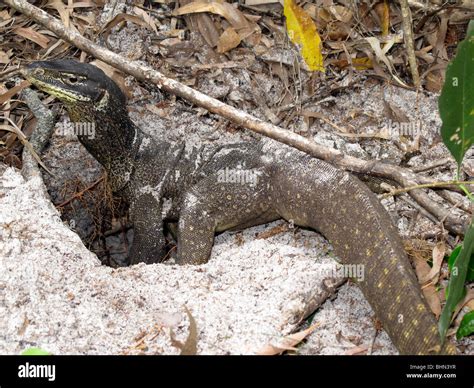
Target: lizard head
[
  {"x": 75, "y": 83},
  {"x": 96, "y": 107}
]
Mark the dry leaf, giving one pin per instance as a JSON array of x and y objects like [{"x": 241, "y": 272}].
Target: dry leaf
[
  {"x": 121, "y": 17},
  {"x": 394, "y": 113},
  {"x": 358, "y": 350},
  {"x": 237, "y": 20},
  {"x": 82, "y": 4},
  {"x": 64, "y": 13},
  {"x": 286, "y": 343},
  {"x": 5, "y": 56},
  {"x": 259, "y": 2},
  {"x": 21, "y": 136},
  {"x": 383, "y": 11},
  {"x": 190, "y": 345},
  {"x": 10, "y": 93},
  {"x": 207, "y": 29},
  {"x": 362, "y": 63},
  {"x": 422, "y": 270},
  {"x": 302, "y": 31},
  {"x": 380, "y": 53},
  {"x": 228, "y": 40},
  {"x": 439, "y": 252},
  {"x": 146, "y": 17},
  {"x": 32, "y": 35},
  {"x": 226, "y": 10},
  {"x": 4, "y": 15},
  {"x": 329, "y": 14}
]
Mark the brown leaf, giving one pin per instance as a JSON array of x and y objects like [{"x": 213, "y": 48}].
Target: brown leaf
[
  {"x": 433, "y": 300},
  {"x": 146, "y": 17},
  {"x": 12, "y": 160},
  {"x": 422, "y": 270},
  {"x": 439, "y": 253},
  {"x": 121, "y": 17},
  {"x": 359, "y": 349},
  {"x": 207, "y": 29},
  {"x": 228, "y": 40},
  {"x": 82, "y": 4},
  {"x": 237, "y": 19},
  {"x": 382, "y": 10},
  {"x": 4, "y": 15},
  {"x": 64, "y": 13},
  {"x": 32, "y": 35},
  {"x": 434, "y": 81},
  {"x": 259, "y": 2},
  {"x": 10, "y": 93},
  {"x": 190, "y": 346},
  {"x": 226, "y": 10},
  {"x": 5, "y": 57},
  {"x": 286, "y": 343},
  {"x": 394, "y": 113}
]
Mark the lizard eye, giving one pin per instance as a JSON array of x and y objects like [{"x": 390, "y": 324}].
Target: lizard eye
[{"x": 72, "y": 79}]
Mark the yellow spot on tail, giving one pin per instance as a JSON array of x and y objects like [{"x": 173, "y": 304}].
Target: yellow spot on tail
[
  {"x": 398, "y": 298},
  {"x": 415, "y": 322},
  {"x": 380, "y": 285},
  {"x": 385, "y": 271},
  {"x": 420, "y": 307}
]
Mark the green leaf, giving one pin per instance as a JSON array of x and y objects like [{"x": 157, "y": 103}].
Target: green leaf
[
  {"x": 35, "y": 352},
  {"x": 452, "y": 261},
  {"x": 467, "y": 326},
  {"x": 456, "y": 103},
  {"x": 456, "y": 290}
]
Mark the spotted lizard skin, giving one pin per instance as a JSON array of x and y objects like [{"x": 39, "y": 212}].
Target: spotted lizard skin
[{"x": 164, "y": 183}]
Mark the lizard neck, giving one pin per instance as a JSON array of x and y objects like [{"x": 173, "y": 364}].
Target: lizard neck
[{"x": 110, "y": 137}]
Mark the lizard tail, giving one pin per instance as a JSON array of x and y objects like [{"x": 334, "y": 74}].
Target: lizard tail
[{"x": 351, "y": 217}]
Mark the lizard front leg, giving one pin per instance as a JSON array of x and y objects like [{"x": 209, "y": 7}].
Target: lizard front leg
[
  {"x": 217, "y": 206},
  {"x": 196, "y": 230},
  {"x": 148, "y": 241}
]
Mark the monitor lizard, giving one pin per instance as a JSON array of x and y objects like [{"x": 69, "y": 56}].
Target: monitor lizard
[{"x": 164, "y": 183}]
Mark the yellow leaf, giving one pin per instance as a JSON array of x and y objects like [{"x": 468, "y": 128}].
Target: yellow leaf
[
  {"x": 363, "y": 63},
  {"x": 385, "y": 19},
  {"x": 302, "y": 31}
]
